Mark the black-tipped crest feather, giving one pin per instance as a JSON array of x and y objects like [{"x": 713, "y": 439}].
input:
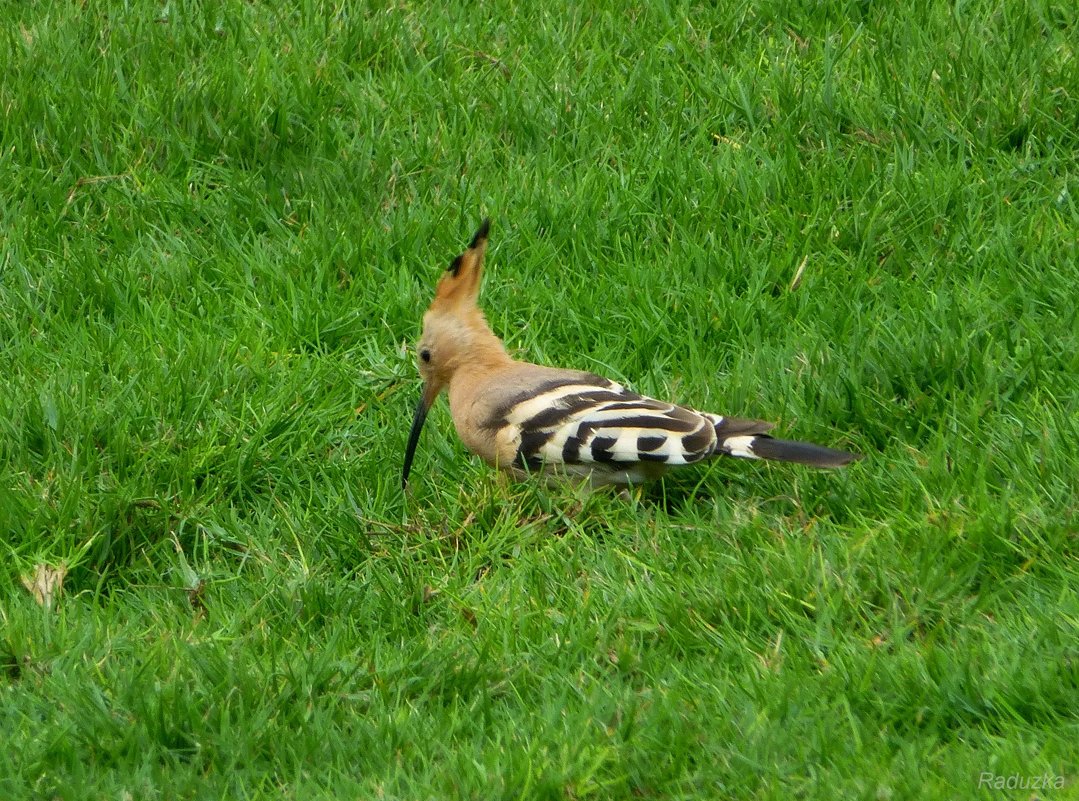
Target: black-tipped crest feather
[
  {"x": 481, "y": 232},
  {"x": 477, "y": 239}
]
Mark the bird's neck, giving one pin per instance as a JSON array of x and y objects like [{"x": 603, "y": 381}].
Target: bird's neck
[{"x": 485, "y": 351}]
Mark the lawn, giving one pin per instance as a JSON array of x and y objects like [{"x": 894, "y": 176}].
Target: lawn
[{"x": 220, "y": 225}]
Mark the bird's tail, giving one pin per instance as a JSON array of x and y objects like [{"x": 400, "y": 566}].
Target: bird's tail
[{"x": 749, "y": 439}]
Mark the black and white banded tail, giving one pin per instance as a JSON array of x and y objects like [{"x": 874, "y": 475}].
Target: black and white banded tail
[{"x": 749, "y": 439}]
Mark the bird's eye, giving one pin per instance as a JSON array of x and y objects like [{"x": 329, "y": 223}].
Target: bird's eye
[{"x": 425, "y": 354}]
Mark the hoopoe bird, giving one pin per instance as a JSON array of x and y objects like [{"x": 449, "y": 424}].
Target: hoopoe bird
[{"x": 528, "y": 418}]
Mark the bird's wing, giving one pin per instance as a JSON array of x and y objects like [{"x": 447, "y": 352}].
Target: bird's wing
[{"x": 590, "y": 420}]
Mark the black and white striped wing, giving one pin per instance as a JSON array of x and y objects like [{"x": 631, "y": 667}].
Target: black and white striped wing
[{"x": 595, "y": 422}]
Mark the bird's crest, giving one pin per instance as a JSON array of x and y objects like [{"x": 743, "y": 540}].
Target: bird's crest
[{"x": 459, "y": 287}]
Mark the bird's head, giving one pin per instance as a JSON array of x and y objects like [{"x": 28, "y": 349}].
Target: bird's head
[{"x": 454, "y": 330}]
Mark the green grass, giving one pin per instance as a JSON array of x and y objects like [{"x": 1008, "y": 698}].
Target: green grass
[{"x": 219, "y": 228}]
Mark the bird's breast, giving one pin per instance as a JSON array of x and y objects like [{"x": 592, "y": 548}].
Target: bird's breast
[{"x": 471, "y": 408}]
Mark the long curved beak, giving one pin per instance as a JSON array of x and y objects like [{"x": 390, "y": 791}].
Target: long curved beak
[{"x": 426, "y": 399}]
